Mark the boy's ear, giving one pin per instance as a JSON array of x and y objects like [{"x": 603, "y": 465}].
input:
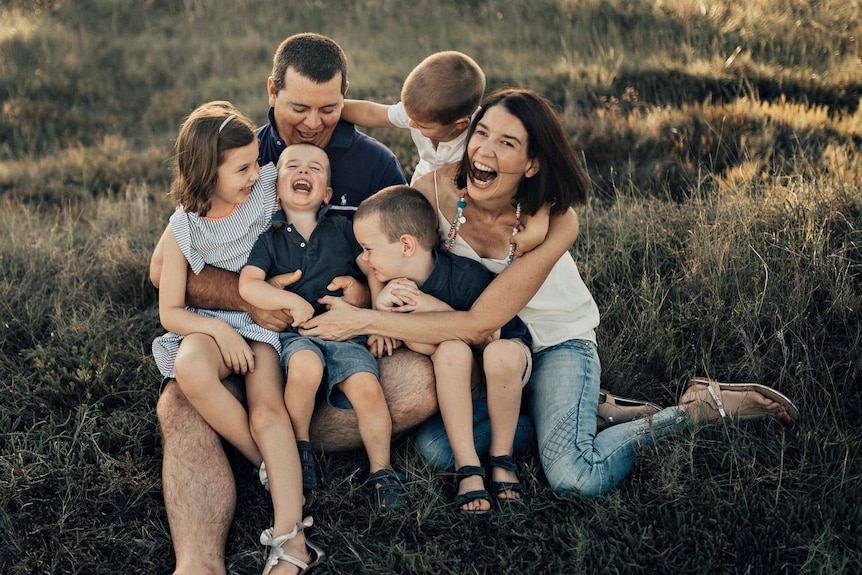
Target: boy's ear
[
  {"x": 408, "y": 245},
  {"x": 327, "y": 195},
  {"x": 533, "y": 168},
  {"x": 462, "y": 123}
]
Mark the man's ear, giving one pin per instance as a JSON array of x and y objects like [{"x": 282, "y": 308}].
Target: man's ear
[
  {"x": 533, "y": 168},
  {"x": 462, "y": 123},
  {"x": 408, "y": 245},
  {"x": 271, "y": 91},
  {"x": 346, "y": 88}
]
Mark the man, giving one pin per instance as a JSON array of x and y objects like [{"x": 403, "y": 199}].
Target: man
[{"x": 306, "y": 94}]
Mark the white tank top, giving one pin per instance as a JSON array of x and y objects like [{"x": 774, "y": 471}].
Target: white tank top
[{"x": 561, "y": 310}]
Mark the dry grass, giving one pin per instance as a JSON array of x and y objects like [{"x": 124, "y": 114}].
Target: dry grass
[{"x": 725, "y": 238}]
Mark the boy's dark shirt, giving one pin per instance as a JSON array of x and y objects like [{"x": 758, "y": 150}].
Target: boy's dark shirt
[
  {"x": 331, "y": 251},
  {"x": 458, "y": 281}
]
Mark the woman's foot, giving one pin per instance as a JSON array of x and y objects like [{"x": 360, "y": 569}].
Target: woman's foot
[
  {"x": 707, "y": 400},
  {"x": 505, "y": 484},
  {"x": 614, "y": 409}
]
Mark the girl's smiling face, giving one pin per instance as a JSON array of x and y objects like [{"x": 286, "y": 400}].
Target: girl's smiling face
[{"x": 235, "y": 176}]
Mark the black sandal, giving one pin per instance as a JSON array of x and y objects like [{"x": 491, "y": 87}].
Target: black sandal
[
  {"x": 464, "y": 498},
  {"x": 505, "y": 462},
  {"x": 387, "y": 490},
  {"x": 309, "y": 470}
]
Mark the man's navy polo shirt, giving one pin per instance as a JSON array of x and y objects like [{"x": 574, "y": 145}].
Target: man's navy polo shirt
[
  {"x": 331, "y": 251},
  {"x": 459, "y": 281},
  {"x": 360, "y": 165}
]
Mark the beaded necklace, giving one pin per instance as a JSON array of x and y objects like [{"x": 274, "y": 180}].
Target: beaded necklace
[{"x": 460, "y": 219}]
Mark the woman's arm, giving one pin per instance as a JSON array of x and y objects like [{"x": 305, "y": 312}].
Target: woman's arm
[{"x": 501, "y": 301}]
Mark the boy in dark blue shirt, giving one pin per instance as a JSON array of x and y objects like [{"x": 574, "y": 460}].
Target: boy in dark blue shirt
[
  {"x": 397, "y": 229},
  {"x": 322, "y": 248}
]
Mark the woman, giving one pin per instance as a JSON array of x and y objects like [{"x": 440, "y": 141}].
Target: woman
[{"x": 518, "y": 153}]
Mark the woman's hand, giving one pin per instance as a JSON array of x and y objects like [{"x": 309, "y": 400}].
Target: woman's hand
[
  {"x": 235, "y": 351},
  {"x": 342, "y": 322}
]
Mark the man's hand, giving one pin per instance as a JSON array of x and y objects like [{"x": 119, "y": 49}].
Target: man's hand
[{"x": 353, "y": 292}]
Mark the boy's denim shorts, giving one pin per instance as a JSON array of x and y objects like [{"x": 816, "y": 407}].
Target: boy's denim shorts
[{"x": 340, "y": 359}]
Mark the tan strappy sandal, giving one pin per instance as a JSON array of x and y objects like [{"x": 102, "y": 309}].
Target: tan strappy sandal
[{"x": 707, "y": 392}]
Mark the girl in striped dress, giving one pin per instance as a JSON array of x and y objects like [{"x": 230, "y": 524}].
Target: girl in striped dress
[{"x": 225, "y": 201}]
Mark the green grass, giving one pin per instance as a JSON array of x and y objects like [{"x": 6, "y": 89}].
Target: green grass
[{"x": 724, "y": 238}]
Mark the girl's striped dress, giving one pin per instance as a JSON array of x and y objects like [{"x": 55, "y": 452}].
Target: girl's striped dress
[{"x": 224, "y": 243}]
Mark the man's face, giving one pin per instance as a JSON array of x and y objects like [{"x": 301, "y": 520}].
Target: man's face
[{"x": 305, "y": 111}]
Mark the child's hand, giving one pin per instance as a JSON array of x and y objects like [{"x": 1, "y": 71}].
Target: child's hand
[
  {"x": 397, "y": 295},
  {"x": 302, "y": 312},
  {"x": 235, "y": 351},
  {"x": 380, "y": 346},
  {"x": 493, "y": 337},
  {"x": 531, "y": 233}
]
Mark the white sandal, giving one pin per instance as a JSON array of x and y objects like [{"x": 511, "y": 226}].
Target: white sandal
[{"x": 276, "y": 551}]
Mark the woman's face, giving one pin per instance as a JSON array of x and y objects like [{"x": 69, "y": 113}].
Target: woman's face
[{"x": 498, "y": 154}]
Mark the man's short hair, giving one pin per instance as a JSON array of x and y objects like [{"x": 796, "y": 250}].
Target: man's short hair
[
  {"x": 443, "y": 88},
  {"x": 313, "y": 56},
  {"x": 402, "y": 210}
]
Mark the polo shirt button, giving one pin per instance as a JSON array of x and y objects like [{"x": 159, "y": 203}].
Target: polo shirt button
[
  {"x": 289, "y": 229},
  {"x": 302, "y": 245}
]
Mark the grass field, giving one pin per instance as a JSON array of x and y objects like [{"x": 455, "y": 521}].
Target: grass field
[{"x": 724, "y": 141}]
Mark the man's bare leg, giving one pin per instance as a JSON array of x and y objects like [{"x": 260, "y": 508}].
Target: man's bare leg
[
  {"x": 197, "y": 484},
  {"x": 407, "y": 379}
]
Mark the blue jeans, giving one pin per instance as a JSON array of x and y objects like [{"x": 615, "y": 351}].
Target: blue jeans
[
  {"x": 562, "y": 397},
  {"x": 433, "y": 444}
]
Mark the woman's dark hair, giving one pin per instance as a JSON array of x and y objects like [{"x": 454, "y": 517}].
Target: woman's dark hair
[{"x": 561, "y": 181}]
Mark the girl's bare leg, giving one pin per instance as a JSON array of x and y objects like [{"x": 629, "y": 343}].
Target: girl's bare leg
[
  {"x": 272, "y": 430},
  {"x": 199, "y": 370}
]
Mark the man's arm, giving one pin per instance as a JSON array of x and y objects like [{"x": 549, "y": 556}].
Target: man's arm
[{"x": 215, "y": 288}]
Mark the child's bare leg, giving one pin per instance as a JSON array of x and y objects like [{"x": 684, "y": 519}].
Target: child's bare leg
[
  {"x": 199, "y": 369},
  {"x": 304, "y": 373},
  {"x": 375, "y": 425},
  {"x": 505, "y": 362},
  {"x": 272, "y": 430},
  {"x": 453, "y": 364}
]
